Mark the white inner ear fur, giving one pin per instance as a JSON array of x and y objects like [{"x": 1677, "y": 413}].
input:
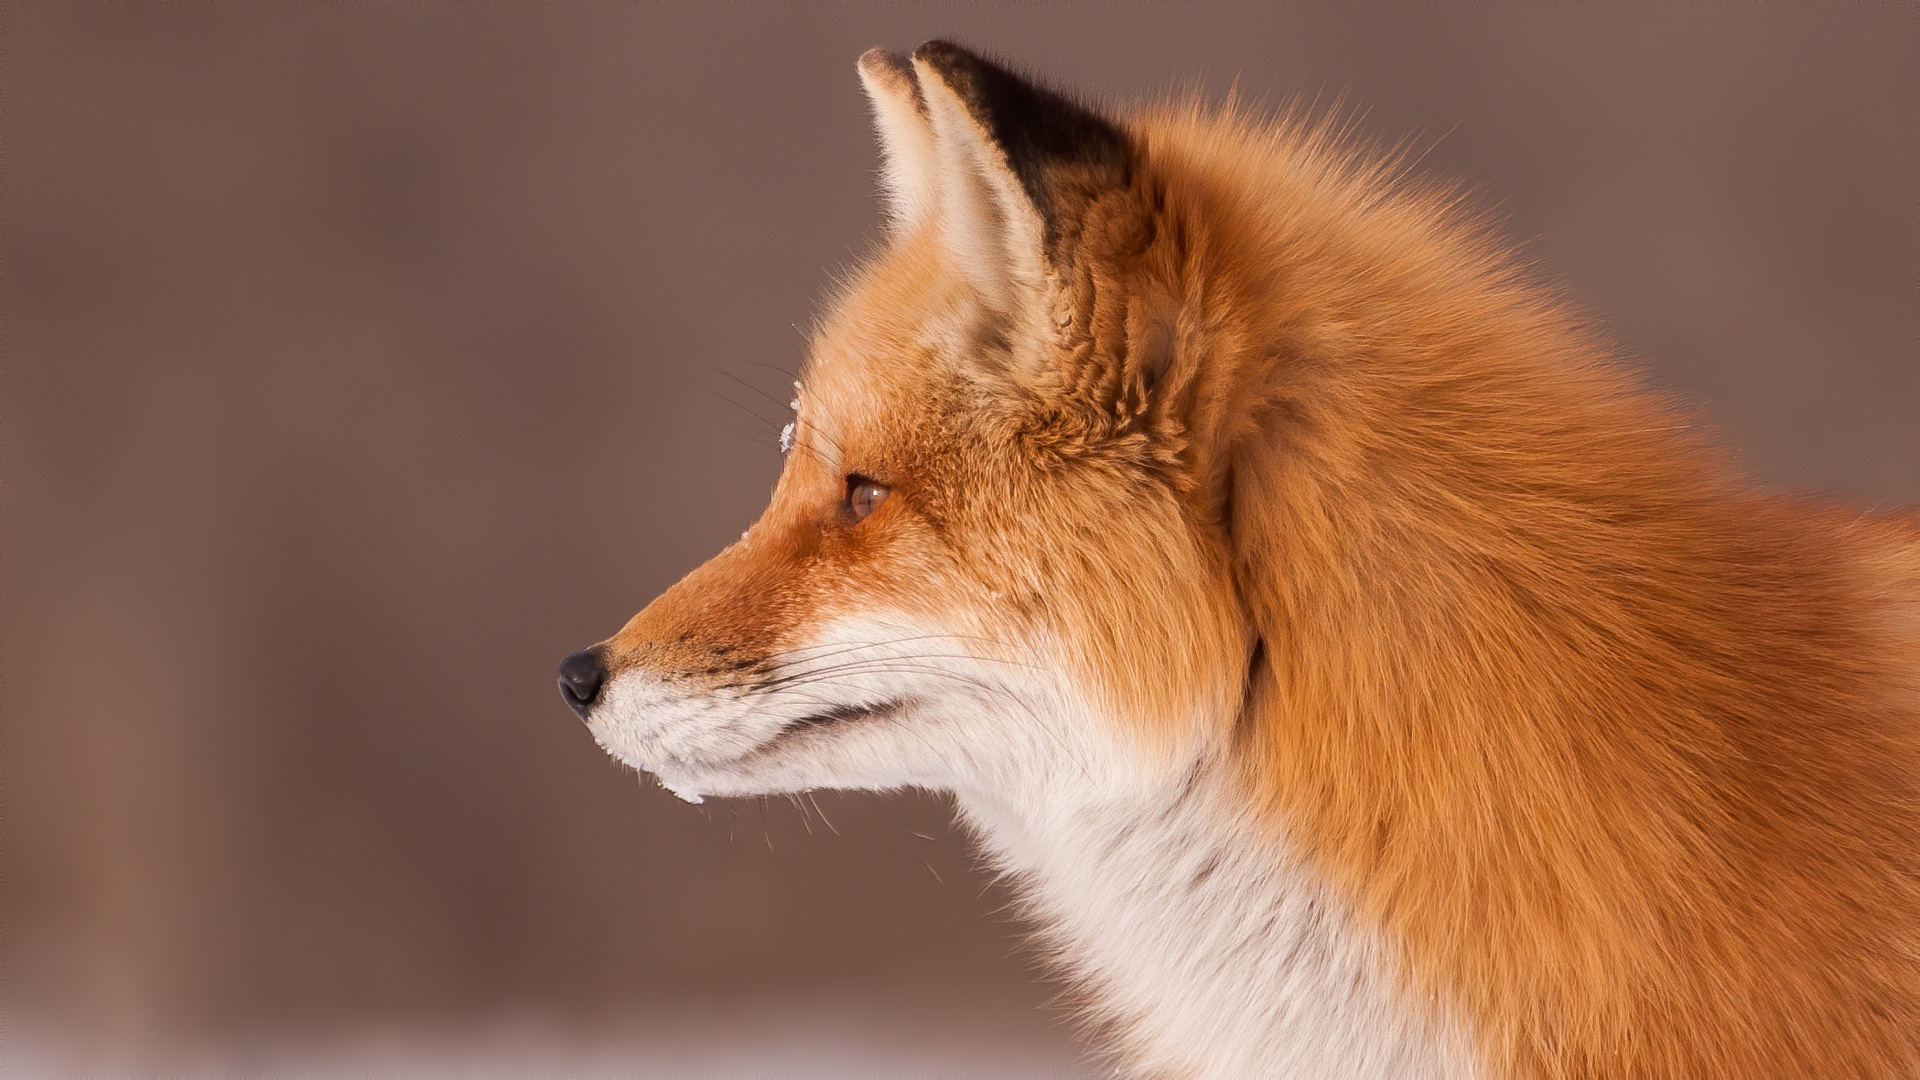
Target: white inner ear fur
[
  {"x": 989, "y": 226},
  {"x": 906, "y": 139}
]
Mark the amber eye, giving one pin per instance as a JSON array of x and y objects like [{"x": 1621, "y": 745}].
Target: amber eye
[{"x": 864, "y": 496}]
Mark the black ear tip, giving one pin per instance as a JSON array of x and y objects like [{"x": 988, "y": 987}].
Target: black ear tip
[
  {"x": 963, "y": 67},
  {"x": 942, "y": 53},
  {"x": 1037, "y": 129}
]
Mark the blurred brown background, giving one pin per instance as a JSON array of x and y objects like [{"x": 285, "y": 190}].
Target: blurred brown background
[{"x": 361, "y": 360}]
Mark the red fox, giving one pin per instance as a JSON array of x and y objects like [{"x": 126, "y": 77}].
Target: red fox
[{"x": 1358, "y": 672}]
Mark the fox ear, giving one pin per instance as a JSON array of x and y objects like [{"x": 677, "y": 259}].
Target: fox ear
[
  {"x": 1010, "y": 161},
  {"x": 906, "y": 136}
]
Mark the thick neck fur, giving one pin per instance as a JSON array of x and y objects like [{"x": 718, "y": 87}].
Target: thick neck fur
[
  {"x": 1619, "y": 757},
  {"x": 1206, "y": 947}
]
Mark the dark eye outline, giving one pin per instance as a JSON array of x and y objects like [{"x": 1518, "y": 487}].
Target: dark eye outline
[{"x": 860, "y": 504}]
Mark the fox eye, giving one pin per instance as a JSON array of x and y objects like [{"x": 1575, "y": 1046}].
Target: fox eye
[{"x": 864, "y": 496}]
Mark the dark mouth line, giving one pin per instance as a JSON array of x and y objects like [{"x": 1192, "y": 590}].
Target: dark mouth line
[
  {"x": 825, "y": 719},
  {"x": 844, "y": 714}
]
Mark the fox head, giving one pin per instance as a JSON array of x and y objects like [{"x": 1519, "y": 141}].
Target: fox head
[{"x": 999, "y": 541}]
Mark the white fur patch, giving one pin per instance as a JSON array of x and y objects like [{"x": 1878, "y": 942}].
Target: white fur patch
[{"x": 1209, "y": 948}]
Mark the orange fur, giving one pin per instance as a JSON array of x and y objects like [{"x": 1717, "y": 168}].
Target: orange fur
[{"x": 1624, "y": 755}]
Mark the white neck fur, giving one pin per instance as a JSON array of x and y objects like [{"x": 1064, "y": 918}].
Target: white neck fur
[{"x": 1210, "y": 950}]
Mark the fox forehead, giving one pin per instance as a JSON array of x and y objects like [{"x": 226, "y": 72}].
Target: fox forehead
[{"x": 883, "y": 382}]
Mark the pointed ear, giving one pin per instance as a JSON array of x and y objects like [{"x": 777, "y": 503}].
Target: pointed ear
[
  {"x": 906, "y": 136},
  {"x": 1013, "y": 163}
]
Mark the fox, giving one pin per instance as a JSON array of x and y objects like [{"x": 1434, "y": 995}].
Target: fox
[{"x": 1356, "y": 669}]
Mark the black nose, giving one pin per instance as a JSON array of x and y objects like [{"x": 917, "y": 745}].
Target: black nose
[{"x": 580, "y": 677}]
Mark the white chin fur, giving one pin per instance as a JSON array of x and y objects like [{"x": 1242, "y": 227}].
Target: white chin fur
[{"x": 953, "y": 716}]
